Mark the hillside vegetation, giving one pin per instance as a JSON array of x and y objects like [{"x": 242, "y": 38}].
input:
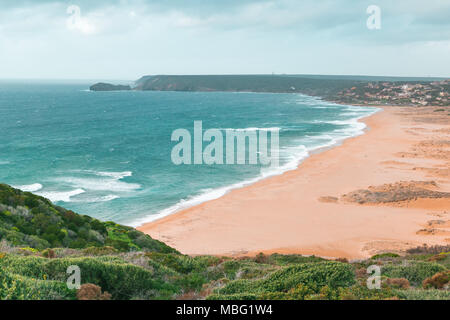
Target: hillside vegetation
[
  {"x": 30, "y": 220},
  {"x": 245, "y": 83},
  {"x": 39, "y": 241}
]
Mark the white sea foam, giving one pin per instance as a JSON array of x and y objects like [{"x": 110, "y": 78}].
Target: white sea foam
[
  {"x": 115, "y": 175},
  {"x": 55, "y": 196},
  {"x": 99, "y": 184},
  {"x": 111, "y": 174},
  {"x": 252, "y": 129},
  {"x": 108, "y": 183},
  {"x": 30, "y": 187},
  {"x": 103, "y": 181},
  {"x": 106, "y": 198}
]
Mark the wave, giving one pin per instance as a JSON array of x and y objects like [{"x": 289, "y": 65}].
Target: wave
[
  {"x": 99, "y": 184},
  {"x": 106, "y": 198},
  {"x": 103, "y": 181},
  {"x": 297, "y": 155},
  {"x": 65, "y": 196},
  {"x": 111, "y": 174},
  {"x": 30, "y": 187},
  {"x": 4, "y": 162},
  {"x": 115, "y": 175},
  {"x": 251, "y": 129}
]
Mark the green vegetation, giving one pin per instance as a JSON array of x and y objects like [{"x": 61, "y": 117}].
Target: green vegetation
[
  {"x": 324, "y": 87},
  {"x": 32, "y": 221},
  {"x": 385, "y": 255},
  {"x": 39, "y": 241}
]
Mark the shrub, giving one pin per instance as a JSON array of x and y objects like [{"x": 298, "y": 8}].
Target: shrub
[
  {"x": 192, "y": 281},
  {"x": 438, "y": 257},
  {"x": 90, "y": 291},
  {"x": 16, "y": 287},
  {"x": 261, "y": 258},
  {"x": 49, "y": 253},
  {"x": 398, "y": 283},
  {"x": 99, "y": 251},
  {"x": 384, "y": 255},
  {"x": 299, "y": 293},
  {"x": 361, "y": 292},
  {"x": 179, "y": 263},
  {"x": 361, "y": 273},
  {"x": 292, "y": 259},
  {"x": 437, "y": 281}
]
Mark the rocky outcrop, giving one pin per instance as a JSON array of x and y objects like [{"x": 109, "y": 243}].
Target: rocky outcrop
[{"x": 109, "y": 87}]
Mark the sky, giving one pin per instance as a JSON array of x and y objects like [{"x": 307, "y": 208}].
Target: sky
[{"x": 126, "y": 39}]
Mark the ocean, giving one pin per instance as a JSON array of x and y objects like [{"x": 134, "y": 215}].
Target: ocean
[{"x": 108, "y": 154}]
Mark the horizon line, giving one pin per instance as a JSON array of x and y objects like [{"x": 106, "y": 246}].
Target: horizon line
[{"x": 224, "y": 74}]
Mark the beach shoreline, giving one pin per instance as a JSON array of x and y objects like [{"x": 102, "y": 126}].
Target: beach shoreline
[
  {"x": 310, "y": 211},
  {"x": 203, "y": 197}
]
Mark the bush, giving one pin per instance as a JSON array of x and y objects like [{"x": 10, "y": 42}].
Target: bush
[
  {"x": 384, "y": 255},
  {"x": 179, "y": 263},
  {"x": 16, "y": 287},
  {"x": 361, "y": 292},
  {"x": 48, "y": 253},
  {"x": 100, "y": 251},
  {"x": 398, "y": 283},
  {"x": 90, "y": 291},
  {"x": 437, "y": 281},
  {"x": 292, "y": 259},
  {"x": 261, "y": 258}
]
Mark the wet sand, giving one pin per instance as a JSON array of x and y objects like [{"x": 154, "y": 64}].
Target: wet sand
[{"x": 385, "y": 191}]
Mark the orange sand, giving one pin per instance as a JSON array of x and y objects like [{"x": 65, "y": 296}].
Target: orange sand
[{"x": 283, "y": 214}]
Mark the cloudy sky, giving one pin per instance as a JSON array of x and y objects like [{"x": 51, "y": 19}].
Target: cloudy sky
[{"x": 125, "y": 39}]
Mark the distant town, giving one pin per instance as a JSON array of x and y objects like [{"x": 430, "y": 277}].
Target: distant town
[{"x": 397, "y": 93}]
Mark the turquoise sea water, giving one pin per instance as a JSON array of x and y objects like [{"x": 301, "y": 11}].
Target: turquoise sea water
[{"x": 107, "y": 154}]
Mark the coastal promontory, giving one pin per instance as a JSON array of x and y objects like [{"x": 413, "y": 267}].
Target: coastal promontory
[{"x": 101, "y": 86}]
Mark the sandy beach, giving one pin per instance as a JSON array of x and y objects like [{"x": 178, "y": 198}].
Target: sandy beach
[{"x": 385, "y": 191}]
